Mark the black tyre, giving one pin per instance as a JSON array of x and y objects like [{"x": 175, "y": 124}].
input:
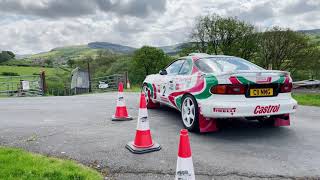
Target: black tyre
[
  {"x": 190, "y": 113},
  {"x": 147, "y": 93}
]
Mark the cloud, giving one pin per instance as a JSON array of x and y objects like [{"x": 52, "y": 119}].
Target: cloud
[
  {"x": 76, "y": 8},
  {"x": 302, "y": 6},
  {"x": 49, "y": 9},
  {"x": 258, "y": 12},
  {"x": 137, "y": 8},
  {"x": 32, "y": 26}
]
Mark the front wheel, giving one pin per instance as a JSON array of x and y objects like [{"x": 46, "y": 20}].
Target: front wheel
[
  {"x": 190, "y": 113},
  {"x": 147, "y": 92}
]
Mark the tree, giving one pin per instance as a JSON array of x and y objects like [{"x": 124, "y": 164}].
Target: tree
[
  {"x": 147, "y": 60},
  {"x": 71, "y": 63},
  {"x": 48, "y": 62},
  {"x": 6, "y": 56},
  {"x": 224, "y": 35},
  {"x": 282, "y": 49},
  {"x": 188, "y": 48}
]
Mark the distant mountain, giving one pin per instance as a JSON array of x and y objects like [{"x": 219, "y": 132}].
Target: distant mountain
[
  {"x": 115, "y": 48},
  {"x": 61, "y": 55},
  {"x": 311, "y": 31},
  {"x": 173, "y": 49}
]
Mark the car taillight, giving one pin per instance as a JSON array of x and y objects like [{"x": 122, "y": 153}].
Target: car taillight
[
  {"x": 228, "y": 89},
  {"x": 286, "y": 87}
]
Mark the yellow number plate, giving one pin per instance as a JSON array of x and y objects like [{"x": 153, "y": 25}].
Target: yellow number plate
[{"x": 261, "y": 92}]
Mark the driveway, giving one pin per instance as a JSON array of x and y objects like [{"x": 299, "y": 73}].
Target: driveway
[{"x": 79, "y": 127}]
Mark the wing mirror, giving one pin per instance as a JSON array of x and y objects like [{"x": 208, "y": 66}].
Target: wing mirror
[{"x": 163, "y": 72}]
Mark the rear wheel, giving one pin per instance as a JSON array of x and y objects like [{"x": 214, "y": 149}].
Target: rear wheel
[{"x": 190, "y": 113}]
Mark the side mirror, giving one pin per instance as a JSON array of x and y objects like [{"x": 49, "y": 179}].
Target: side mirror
[{"x": 163, "y": 72}]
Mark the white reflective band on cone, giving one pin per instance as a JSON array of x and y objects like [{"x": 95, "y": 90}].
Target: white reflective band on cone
[
  {"x": 143, "y": 122},
  {"x": 184, "y": 169},
  {"x": 120, "y": 100}
]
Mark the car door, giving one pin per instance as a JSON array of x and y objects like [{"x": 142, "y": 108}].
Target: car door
[
  {"x": 166, "y": 82},
  {"x": 182, "y": 80}
]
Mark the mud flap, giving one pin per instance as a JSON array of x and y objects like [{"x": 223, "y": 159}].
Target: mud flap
[
  {"x": 283, "y": 120},
  {"x": 207, "y": 124}
]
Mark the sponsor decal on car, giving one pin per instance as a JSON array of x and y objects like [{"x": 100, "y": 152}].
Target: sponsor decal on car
[
  {"x": 266, "y": 109},
  {"x": 225, "y": 110},
  {"x": 263, "y": 80}
]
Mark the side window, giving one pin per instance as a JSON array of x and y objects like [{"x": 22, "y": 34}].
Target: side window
[
  {"x": 203, "y": 66},
  {"x": 175, "y": 67},
  {"x": 186, "y": 68}
]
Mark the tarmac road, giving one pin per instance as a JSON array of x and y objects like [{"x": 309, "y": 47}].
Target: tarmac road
[{"x": 79, "y": 127}]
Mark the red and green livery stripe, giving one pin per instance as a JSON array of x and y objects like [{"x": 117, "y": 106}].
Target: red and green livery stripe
[
  {"x": 203, "y": 86},
  {"x": 243, "y": 80}
]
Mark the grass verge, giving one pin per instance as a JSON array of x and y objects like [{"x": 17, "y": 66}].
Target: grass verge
[
  {"x": 307, "y": 99},
  {"x": 19, "y": 164},
  {"x": 134, "y": 88}
]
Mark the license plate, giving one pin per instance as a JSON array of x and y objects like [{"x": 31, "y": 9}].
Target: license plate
[{"x": 261, "y": 92}]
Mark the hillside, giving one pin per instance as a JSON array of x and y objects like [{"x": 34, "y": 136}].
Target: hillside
[
  {"x": 60, "y": 55},
  {"x": 311, "y": 31},
  {"x": 115, "y": 48},
  {"x": 314, "y": 34}
]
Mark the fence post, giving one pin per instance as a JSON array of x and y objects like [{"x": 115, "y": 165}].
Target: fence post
[
  {"x": 89, "y": 77},
  {"x": 43, "y": 82},
  {"x": 126, "y": 79}
]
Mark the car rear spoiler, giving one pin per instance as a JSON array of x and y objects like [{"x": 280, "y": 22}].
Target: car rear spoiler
[{"x": 285, "y": 73}]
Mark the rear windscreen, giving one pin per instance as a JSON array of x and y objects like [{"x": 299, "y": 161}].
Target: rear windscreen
[{"x": 224, "y": 64}]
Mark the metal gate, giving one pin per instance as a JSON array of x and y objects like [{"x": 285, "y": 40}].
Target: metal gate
[
  {"x": 21, "y": 85},
  {"x": 108, "y": 83}
]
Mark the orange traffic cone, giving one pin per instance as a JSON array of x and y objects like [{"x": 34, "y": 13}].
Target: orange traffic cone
[
  {"x": 184, "y": 162},
  {"x": 143, "y": 142},
  {"x": 121, "y": 109}
]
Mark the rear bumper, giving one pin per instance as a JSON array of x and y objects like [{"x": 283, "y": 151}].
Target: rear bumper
[{"x": 229, "y": 106}]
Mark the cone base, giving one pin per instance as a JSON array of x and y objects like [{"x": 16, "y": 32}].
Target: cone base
[
  {"x": 114, "y": 118},
  {"x": 136, "y": 150}
]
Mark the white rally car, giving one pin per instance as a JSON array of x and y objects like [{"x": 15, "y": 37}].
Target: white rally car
[{"x": 210, "y": 87}]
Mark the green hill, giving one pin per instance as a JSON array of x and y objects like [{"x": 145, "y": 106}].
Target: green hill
[
  {"x": 314, "y": 34},
  {"x": 63, "y": 54}
]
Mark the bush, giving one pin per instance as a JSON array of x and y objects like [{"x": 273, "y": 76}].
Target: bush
[
  {"x": 55, "y": 86},
  {"x": 9, "y": 74}
]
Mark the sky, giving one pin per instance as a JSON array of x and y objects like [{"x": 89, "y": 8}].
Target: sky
[{"x": 33, "y": 26}]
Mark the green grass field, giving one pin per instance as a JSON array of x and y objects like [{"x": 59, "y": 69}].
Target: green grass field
[
  {"x": 54, "y": 77},
  {"x": 23, "y": 71},
  {"x": 307, "y": 99},
  {"x": 19, "y": 164}
]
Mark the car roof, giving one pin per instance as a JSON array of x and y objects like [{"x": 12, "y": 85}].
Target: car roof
[{"x": 204, "y": 55}]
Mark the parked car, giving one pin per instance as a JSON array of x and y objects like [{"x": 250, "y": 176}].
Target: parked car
[{"x": 205, "y": 88}]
